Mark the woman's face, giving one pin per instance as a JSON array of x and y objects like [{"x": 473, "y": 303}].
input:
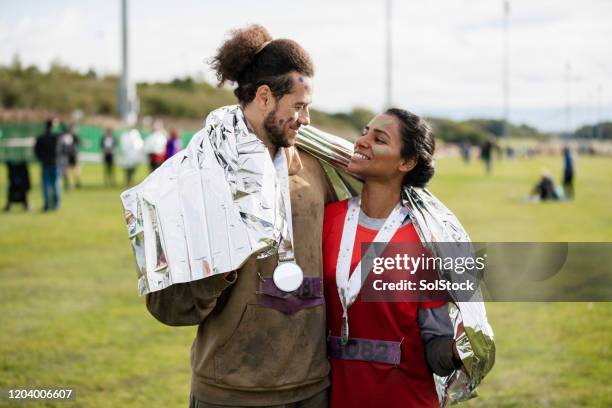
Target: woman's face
[{"x": 378, "y": 151}]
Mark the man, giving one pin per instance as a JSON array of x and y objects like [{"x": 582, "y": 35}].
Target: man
[
  {"x": 486, "y": 153},
  {"x": 257, "y": 345},
  {"x": 46, "y": 150},
  {"x": 568, "y": 173}
]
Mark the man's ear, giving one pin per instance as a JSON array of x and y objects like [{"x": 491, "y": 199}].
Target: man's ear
[
  {"x": 407, "y": 165},
  {"x": 264, "y": 97}
]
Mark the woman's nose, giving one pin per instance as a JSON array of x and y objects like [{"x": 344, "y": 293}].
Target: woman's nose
[{"x": 363, "y": 142}]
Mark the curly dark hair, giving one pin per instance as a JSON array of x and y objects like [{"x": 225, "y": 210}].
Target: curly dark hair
[
  {"x": 251, "y": 58},
  {"x": 418, "y": 143}
]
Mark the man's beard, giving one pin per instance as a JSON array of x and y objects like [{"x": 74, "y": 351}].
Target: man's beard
[{"x": 274, "y": 131}]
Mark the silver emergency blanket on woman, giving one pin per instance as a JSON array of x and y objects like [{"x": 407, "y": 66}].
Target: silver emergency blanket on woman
[
  {"x": 443, "y": 236},
  {"x": 208, "y": 208}
]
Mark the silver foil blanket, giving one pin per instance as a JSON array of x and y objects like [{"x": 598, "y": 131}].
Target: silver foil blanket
[
  {"x": 443, "y": 235},
  {"x": 206, "y": 209}
]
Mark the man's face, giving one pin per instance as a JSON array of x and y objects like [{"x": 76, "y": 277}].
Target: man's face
[{"x": 289, "y": 112}]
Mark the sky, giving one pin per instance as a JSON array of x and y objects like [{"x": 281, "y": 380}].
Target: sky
[{"x": 447, "y": 54}]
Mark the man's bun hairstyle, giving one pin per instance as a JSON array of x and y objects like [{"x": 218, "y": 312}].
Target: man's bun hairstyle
[{"x": 251, "y": 59}]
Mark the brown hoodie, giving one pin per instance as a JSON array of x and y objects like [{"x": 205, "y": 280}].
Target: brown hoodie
[{"x": 254, "y": 344}]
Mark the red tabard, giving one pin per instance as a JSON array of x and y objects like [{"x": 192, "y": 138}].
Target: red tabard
[{"x": 371, "y": 384}]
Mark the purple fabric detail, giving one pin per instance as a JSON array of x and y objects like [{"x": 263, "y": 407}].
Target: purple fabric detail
[
  {"x": 309, "y": 294},
  {"x": 377, "y": 351}
]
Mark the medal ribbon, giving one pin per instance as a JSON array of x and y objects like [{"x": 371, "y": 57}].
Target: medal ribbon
[
  {"x": 285, "y": 248},
  {"x": 348, "y": 289}
]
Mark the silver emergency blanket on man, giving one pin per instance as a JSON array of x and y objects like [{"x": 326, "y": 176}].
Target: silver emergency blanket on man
[
  {"x": 443, "y": 235},
  {"x": 206, "y": 209}
]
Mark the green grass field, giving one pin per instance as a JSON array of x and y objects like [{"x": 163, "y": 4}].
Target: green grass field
[{"x": 70, "y": 314}]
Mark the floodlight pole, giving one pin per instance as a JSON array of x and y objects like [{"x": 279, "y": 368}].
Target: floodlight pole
[
  {"x": 389, "y": 55},
  {"x": 568, "y": 105},
  {"x": 599, "y": 120},
  {"x": 506, "y": 72},
  {"x": 128, "y": 104}
]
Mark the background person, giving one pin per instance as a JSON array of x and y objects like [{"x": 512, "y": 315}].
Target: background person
[
  {"x": 486, "y": 154},
  {"x": 69, "y": 143},
  {"x": 132, "y": 152},
  {"x": 155, "y": 146},
  {"x": 568, "y": 173},
  {"x": 18, "y": 184},
  {"x": 108, "y": 145},
  {"x": 46, "y": 151},
  {"x": 174, "y": 144},
  {"x": 545, "y": 189}
]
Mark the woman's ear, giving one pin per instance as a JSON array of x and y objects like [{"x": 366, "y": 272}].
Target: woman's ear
[{"x": 406, "y": 166}]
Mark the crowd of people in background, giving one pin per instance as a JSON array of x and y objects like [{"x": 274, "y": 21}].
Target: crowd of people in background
[
  {"x": 57, "y": 151},
  {"x": 545, "y": 189},
  {"x": 157, "y": 148}
]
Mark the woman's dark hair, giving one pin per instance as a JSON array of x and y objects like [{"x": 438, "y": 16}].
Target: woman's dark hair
[
  {"x": 418, "y": 143},
  {"x": 251, "y": 59}
]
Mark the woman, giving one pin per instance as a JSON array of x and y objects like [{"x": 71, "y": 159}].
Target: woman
[{"x": 396, "y": 149}]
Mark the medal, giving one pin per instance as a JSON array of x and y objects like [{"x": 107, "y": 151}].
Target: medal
[
  {"x": 288, "y": 276},
  {"x": 344, "y": 331},
  {"x": 349, "y": 288}
]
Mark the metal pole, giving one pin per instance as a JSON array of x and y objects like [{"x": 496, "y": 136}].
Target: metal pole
[
  {"x": 599, "y": 119},
  {"x": 506, "y": 72},
  {"x": 590, "y": 113},
  {"x": 123, "y": 85},
  {"x": 128, "y": 102},
  {"x": 568, "y": 106},
  {"x": 389, "y": 73}
]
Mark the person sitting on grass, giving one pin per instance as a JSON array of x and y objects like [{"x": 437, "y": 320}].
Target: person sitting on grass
[{"x": 545, "y": 189}]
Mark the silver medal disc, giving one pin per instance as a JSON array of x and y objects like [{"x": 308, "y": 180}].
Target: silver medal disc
[{"x": 288, "y": 276}]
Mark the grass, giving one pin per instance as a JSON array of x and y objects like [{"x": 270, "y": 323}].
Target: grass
[{"x": 70, "y": 314}]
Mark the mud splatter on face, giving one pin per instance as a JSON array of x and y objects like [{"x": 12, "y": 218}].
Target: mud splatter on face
[
  {"x": 281, "y": 121},
  {"x": 379, "y": 123},
  {"x": 379, "y": 150}
]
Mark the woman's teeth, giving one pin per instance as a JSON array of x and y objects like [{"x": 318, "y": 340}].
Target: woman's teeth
[{"x": 361, "y": 156}]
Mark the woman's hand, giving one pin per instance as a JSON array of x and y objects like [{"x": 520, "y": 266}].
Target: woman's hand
[{"x": 456, "y": 359}]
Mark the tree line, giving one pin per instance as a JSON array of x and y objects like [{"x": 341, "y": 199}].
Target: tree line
[{"x": 62, "y": 89}]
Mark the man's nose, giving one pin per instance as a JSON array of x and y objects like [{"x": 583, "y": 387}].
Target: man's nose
[{"x": 304, "y": 118}]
